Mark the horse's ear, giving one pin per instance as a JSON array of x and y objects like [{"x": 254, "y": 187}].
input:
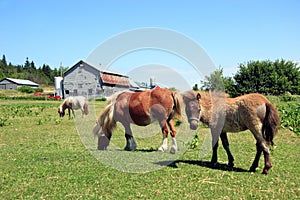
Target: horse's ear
[{"x": 198, "y": 96}]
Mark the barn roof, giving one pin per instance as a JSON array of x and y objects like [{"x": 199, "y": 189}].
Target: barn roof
[
  {"x": 20, "y": 81},
  {"x": 96, "y": 67},
  {"x": 109, "y": 77},
  {"x": 114, "y": 79}
]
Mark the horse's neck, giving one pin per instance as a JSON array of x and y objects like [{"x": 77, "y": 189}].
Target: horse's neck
[
  {"x": 65, "y": 105},
  {"x": 205, "y": 114},
  {"x": 206, "y": 109}
]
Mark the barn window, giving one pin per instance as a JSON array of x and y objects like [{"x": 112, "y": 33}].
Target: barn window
[
  {"x": 90, "y": 91},
  {"x": 75, "y": 92},
  {"x": 67, "y": 92}
]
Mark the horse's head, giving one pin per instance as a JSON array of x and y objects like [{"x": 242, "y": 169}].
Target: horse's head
[
  {"x": 192, "y": 108},
  {"x": 61, "y": 112}
]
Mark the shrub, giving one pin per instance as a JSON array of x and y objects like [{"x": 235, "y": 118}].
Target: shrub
[
  {"x": 26, "y": 89},
  {"x": 290, "y": 116}
]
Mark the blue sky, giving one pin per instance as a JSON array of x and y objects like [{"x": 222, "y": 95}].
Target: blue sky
[{"x": 231, "y": 32}]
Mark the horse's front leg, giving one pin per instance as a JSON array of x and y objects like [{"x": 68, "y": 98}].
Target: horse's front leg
[
  {"x": 174, "y": 147},
  {"x": 69, "y": 112},
  {"x": 215, "y": 145},
  {"x": 165, "y": 133},
  {"x": 130, "y": 142},
  {"x": 225, "y": 144},
  {"x": 73, "y": 112}
]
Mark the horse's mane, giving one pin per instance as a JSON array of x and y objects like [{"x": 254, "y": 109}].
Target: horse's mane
[
  {"x": 208, "y": 99},
  {"x": 64, "y": 105},
  {"x": 177, "y": 105},
  {"x": 106, "y": 122}
]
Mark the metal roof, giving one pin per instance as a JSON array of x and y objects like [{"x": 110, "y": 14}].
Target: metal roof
[
  {"x": 21, "y": 81},
  {"x": 113, "y": 79}
]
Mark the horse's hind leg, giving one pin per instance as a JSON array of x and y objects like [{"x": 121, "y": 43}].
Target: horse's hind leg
[
  {"x": 268, "y": 164},
  {"x": 261, "y": 146},
  {"x": 225, "y": 144}
]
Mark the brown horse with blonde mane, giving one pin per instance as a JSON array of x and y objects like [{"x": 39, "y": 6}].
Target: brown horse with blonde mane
[
  {"x": 142, "y": 108},
  {"x": 250, "y": 111}
]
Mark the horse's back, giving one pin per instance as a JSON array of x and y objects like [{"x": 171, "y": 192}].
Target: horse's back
[
  {"x": 78, "y": 102},
  {"x": 245, "y": 111},
  {"x": 137, "y": 107}
]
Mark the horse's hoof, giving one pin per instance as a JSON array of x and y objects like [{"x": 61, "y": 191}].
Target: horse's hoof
[
  {"x": 231, "y": 164},
  {"x": 162, "y": 149},
  {"x": 252, "y": 169},
  {"x": 130, "y": 149},
  {"x": 173, "y": 150},
  {"x": 266, "y": 169},
  {"x": 102, "y": 148},
  {"x": 213, "y": 164}
]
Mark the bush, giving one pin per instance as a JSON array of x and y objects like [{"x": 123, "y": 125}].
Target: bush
[
  {"x": 290, "y": 116},
  {"x": 27, "y": 89},
  {"x": 101, "y": 99}
]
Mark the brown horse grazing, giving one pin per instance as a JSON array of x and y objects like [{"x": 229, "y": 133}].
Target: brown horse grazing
[
  {"x": 250, "y": 111},
  {"x": 73, "y": 103},
  {"x": 142, "y": 108}
]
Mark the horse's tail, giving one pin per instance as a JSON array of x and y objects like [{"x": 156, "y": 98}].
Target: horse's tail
[
  {"x": 106, "y": 123},
  {"x": 270, "y": 123},
  {"x": 177, "y": 105},
  {"x": 86, "y": 107}
]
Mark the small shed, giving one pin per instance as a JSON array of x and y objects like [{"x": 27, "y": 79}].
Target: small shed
[{"x": 13, "y": 84}]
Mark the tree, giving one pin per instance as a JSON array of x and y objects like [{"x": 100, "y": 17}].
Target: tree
[
  {"x": 214, "y": 82},
  {"x": 26, "y": 64},
  {"x": 195, "y": 87},
  {"x": 268, "y": 77},
  {"x": 4, "y": 61}
]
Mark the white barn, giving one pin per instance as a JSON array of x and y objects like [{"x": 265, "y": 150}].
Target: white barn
[
  {"x": 86, "y": 79},
  {"x": 13, "y": 84}
]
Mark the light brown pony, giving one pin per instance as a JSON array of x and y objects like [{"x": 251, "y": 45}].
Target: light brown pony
[
  {"x": 142, "y": 108},
  {"x": 250, "y": 111},
  {"x": 73, "y": 103}
]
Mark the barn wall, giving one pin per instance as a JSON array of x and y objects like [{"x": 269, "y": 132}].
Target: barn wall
[
  {"x": 82, "y": 80},
  {"x": 85, "y": 80},
  {"x": 8, "y": 86}
]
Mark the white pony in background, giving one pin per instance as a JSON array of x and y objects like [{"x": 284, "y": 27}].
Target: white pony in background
[{"x": 74, "y": 103}]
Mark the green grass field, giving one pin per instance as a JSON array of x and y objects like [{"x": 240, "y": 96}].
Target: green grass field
[{"x": 43, "y": 157}]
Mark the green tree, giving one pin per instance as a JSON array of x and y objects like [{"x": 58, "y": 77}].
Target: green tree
[
  {"x": 195, "y": 87},
  {"x": 267, "y": 77},
  {"x": 4, "y": 60},
  {"x": 214, "y": 82}
]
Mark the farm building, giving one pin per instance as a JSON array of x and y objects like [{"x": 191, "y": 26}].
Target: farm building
[
  {"x": 13, "y": 84},
  {"x": 86, "y": 79}
]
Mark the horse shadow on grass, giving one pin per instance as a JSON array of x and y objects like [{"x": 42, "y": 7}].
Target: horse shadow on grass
[{"x": 218, "y": 166}]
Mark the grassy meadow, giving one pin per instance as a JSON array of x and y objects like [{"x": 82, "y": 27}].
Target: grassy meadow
[{"x": 45, "y": 157}]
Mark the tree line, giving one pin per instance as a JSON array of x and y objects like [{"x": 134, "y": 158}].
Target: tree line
[
  {"x": 41, "y": 75},
  {"x": 266, "y": 77}
]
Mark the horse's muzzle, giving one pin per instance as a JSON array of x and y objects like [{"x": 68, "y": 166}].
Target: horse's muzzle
[{"x": 193, "y": 123}]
